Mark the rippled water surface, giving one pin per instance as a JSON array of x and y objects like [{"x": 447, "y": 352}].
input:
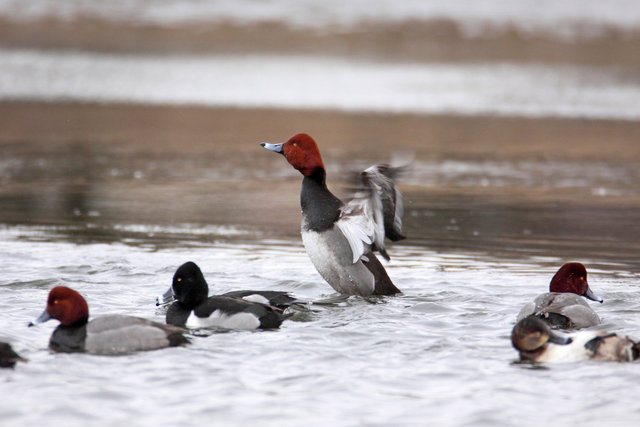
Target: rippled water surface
[{"x": 438, "y": 354}]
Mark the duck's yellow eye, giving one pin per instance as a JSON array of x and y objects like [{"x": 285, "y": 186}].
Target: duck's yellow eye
[
  {"x": 581, "y": 277},
  {"x": 179, "y": 279}
]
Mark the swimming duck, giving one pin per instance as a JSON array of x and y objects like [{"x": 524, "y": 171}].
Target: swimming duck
[
  {"x": 536, "y": 342},
  {"x": 563, "y": 307},
  {"x": 8, "y": 357},
  {"x": 194, "y": 309},
  {"x": 107, "y": 335},
  {"x": 340, "y": 238},
  {"x": 190, "y": 270}
]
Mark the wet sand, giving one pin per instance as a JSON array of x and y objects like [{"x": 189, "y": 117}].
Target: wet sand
[
  {"x": 141, "y": 129},
  {"x": 93, "y": 168}
]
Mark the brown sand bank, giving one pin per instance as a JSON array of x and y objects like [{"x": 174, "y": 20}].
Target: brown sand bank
[{"x": 172, "y": 129}]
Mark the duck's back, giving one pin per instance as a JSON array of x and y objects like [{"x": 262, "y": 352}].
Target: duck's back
[
  {"x": 561, "y": 310},
  {"x": 611, "y": 347},
  {"x": 119, "y": 334},
  {"x": 278, "y": 299}
]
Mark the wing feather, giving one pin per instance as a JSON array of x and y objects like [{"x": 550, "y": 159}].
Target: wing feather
[{"x": 374, "y": 213}]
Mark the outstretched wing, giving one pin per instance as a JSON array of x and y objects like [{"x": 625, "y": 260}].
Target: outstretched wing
[{"x": 374, "y": 213}]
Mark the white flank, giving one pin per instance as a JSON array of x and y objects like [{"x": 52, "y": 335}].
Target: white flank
[
  {"x": 219, "y": 319},
  {"x": 573, "y": 352},
  {"x": 256, "y": 298}
]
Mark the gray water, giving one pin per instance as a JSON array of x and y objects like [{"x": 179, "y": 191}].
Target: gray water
[{"x": 439, "y": 354}]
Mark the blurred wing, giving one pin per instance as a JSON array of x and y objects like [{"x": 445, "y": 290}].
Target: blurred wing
[
  {"x": 357, "y": 227},
  {"x": 374, "y": 213}
]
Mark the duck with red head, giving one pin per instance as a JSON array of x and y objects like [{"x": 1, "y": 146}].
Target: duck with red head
[
  {"x": 340, "y": 239},
  {"x": 563, "y": 306},
  {"x": 108, "y": 335}
]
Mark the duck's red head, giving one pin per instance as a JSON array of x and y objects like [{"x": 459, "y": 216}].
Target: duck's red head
[
  {"x": 572, "y": 277},
  {"x": 66, "y": 305},
  {"x": 301, "y": 151}
]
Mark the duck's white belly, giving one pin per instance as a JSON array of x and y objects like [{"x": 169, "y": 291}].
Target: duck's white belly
[
  {"x": 219, "y": 319},
  {"x": 574, "y": 352},
  {"x": 330, "y": 253}
]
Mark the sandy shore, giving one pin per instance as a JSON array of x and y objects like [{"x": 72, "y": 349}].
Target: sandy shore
[{"x": 171, "y": 129}]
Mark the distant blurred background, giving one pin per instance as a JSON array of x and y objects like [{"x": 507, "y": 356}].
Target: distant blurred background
[{"x": 523, "y": 116}]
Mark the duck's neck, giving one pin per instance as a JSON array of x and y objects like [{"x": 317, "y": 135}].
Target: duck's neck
[
  {"x": 177, "y": 314},
  {"x": 320, "y": 208},
  {"x": 69, "y": 339}
]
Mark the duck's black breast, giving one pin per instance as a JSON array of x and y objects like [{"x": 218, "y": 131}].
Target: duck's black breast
[
  {"x": 177, "y": 314},
  {"x": 320, "y": 208},
  {"x": 68, "y": 339}
]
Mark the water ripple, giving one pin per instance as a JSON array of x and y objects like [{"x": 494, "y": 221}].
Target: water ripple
[{"x": 439, "y": 352}]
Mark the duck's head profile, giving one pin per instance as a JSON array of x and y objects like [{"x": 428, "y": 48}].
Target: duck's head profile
[
  {"x": 301, "y": 151},
  {"x": 189, "y": 286},
  {"x": 66, "y": 305}
]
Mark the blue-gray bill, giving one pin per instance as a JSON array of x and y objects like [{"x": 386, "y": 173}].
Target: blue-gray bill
[
  {"x": 593, "y": 297},
  {"x": 165, "y": 298},
  {"x": 278, "y": 148},
  {"x": 41, "y": 319}
]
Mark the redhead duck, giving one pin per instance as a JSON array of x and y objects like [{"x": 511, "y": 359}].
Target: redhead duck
[
  {"x": 194, "y": 309},
  {"x": 536, "y": 342},
  {"x": 563, "y": 307},
  {"x": 340, "y": 238},
  {"x": 8, "y": 357},
  {"x": 107, "y": 335}
]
